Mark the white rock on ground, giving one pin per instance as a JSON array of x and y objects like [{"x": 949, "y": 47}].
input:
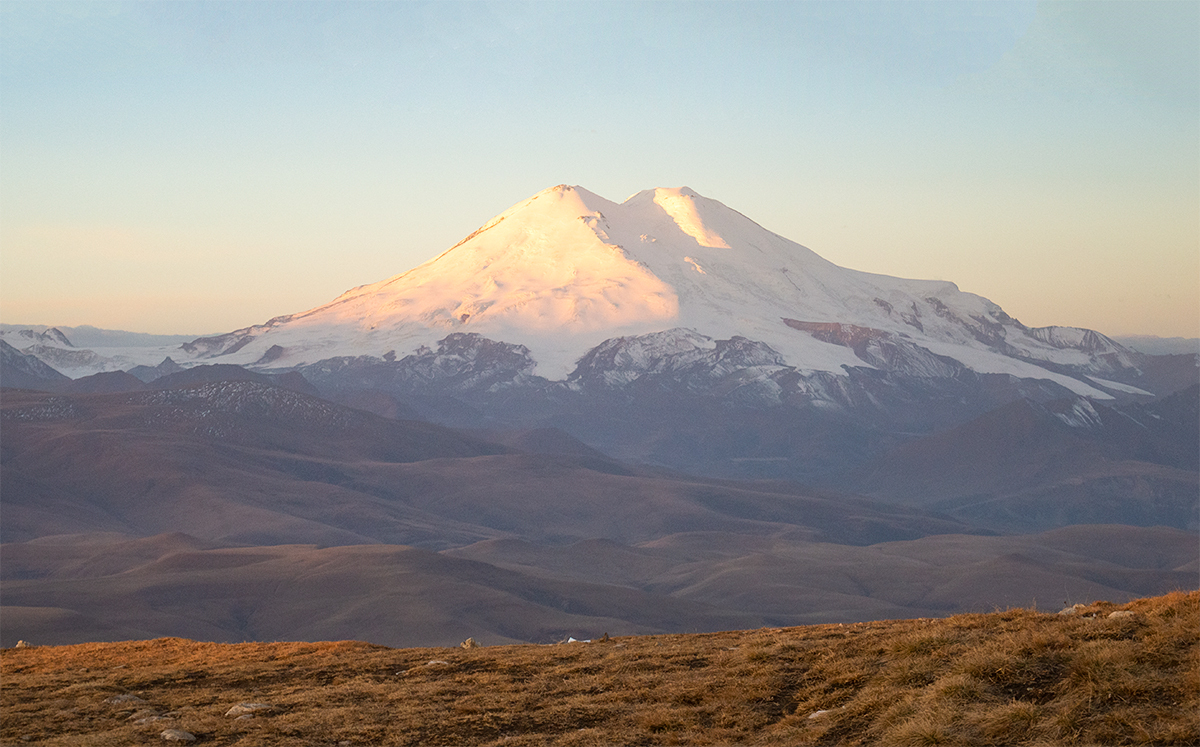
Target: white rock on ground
[{"x": 242, "y": 709}]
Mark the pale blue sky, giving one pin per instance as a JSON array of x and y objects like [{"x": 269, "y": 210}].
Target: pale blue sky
[{"x": 195, "y": 167}]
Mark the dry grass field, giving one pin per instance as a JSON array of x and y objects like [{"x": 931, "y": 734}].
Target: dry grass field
[{"x": 1015, "y": 677}]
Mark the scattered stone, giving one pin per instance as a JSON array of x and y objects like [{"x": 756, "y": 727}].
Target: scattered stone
[
  {"x": 1120, "y": 613},
  {"x": 177, "y": 735},
  {"x": 814, "y": 714},
  {"x": 469, "y": 643},
  {"x": 124, "y": 698},
  {"x": 22, "y": 644},
  {"x": 1074, "y": 609},
  {"x": 437, "y": 663},
  {"x": 143, "y": 713},
  {"x": 248, "y": 709}
]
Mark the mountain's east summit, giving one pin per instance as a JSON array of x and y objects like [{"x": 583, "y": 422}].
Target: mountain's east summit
[{"x": 566, "y": 269}]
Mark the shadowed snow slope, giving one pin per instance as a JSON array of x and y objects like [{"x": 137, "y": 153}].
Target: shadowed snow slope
[{"x": 566, "y": 270}]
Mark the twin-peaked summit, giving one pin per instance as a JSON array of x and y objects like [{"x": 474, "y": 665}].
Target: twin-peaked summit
[{"x": 566, "y": 270}]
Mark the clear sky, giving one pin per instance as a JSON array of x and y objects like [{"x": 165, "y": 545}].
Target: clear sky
[{"x": 197, "y": 167}]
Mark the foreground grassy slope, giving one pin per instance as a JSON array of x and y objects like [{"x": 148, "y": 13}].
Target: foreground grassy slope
[{"x": 1012, "y": 677}]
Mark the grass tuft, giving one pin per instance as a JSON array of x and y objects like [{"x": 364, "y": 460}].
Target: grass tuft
[{"x": 1013, "y": 677}]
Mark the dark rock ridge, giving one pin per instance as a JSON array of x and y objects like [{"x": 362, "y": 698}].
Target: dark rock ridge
[
  {"x": 149, "y": 373},
  {"x": 729, "y": 407},
  {"x": 23, "y": 371},
  {"x": 467, "y": 364},
  {"x": 228, "y": 372}
]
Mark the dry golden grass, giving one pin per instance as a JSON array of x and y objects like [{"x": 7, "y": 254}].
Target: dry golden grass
[{"x": 1015, "y": 677}]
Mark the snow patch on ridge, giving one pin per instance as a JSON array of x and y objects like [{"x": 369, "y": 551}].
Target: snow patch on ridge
[
  {"x": 1117, "y": 386},
  {"x": 987, "y": 361},
  {"x": 1081, "y": 415},
  {"x": 681, "y": 206}
]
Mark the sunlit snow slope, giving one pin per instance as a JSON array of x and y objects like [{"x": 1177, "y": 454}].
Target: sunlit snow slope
[{"x": 566, "y": 269}]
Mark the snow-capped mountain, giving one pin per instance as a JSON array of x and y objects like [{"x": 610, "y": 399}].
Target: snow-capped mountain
[
  {"x": 667, "y": 329},
  {"x": 83, "y": 351},
  {"x": 670, "y": 272}
]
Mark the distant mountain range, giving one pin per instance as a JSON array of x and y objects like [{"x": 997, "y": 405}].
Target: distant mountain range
[
  {"x": 1154, "y": 345},
  {"x": 644, "y": 327},
  {"x": 87, "y": 336},
  {"x": 657, "y": 403}
]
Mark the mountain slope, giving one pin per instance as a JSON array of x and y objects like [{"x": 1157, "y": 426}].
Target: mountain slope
[
  {"x": 389, "y": 594},
  {"x": 273, "y": 498},
  {"x": 566, "y": 270},
  {"x": 232, "y": 460},
  {"x": 109, "y": 587},
  {"x": 1029, "y": 466},
  {"x": 246, "y": 463},
  {"x": 23, "y": 371}
]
